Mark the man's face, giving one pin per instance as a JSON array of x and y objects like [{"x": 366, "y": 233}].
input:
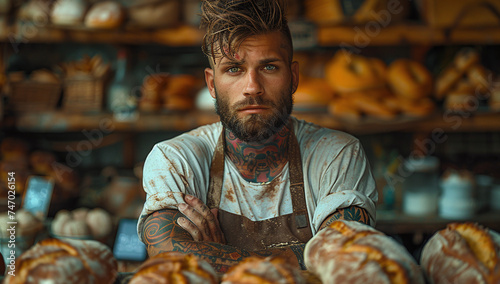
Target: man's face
[{"x": 253, "y": 89}]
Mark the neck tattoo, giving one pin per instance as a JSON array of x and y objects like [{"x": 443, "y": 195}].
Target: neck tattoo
[{"x": 259, "y": 162}]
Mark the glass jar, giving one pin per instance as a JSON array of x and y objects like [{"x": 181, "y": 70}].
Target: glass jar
[{"x": 421, "y": 186}]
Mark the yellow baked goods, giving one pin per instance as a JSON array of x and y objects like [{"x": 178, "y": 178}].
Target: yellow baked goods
[
  {"x": 352, "y": 252},
  {"x": 348, "y": 72},
  {"x": 312, "y": 93},
  {"x": 409, "y": 79},
  {"x": 175, "y": 267},
  {"x": 262, "y": 270},
  {"x": 69, "y": 261},
  {"x": 462, "y": 253}
]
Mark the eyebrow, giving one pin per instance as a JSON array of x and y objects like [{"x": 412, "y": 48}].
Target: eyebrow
[{"x": 241, "y": 62}]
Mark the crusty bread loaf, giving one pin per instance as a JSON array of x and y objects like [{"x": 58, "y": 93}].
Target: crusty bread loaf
[
  {"x": 65, "y": 261},
  {"x": 175, "y": 267},
  {"x": 352, "y": 252},
  {"x": 462, "y": 253},
  {"x": 262, "y": 270}
]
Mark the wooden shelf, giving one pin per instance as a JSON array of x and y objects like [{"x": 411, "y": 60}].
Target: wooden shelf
[
  {"x": 31, "y": 33},
  {"x": 397, "y": 223},
  {"x": 355, "y": 37},
  {"x": 360, "y": 36},
  {"x": 70, "y": 122}
]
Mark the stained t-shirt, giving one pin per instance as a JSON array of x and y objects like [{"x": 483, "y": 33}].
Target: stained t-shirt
[{"x": 336, "y": 175}]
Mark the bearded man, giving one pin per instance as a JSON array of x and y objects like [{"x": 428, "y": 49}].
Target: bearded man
[{"x": 259, "y": 182}]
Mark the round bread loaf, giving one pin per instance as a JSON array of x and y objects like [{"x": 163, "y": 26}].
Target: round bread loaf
[
  {"x": 409, "y": 79},
  {"x": 175, "y": 267},
  {"x": 69, "y": 261},
  {"x": 68, "y": 12},
  {"x": 105, "y": 15},
  {"x": 262, "y": 270},
  {"x": 347, "y": 72},
  {"x": 462, "y": 253},
  {"x": 352, "y": 252}
]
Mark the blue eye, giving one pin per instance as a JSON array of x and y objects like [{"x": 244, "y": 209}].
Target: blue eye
[
  {"x": 233, "y": 69},
  {"x": 270, "y": 67}
]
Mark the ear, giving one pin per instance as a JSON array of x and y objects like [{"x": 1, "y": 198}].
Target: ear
[
  {"x": 295, "y": 75},
  {"x": 209, "y": 79}
]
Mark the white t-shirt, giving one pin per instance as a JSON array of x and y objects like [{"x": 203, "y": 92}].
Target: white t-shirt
[{"x": 336, "y": 175}]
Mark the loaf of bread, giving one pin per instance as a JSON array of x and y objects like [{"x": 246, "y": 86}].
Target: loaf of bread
[
  {"x": 69, "y": 261},
  {"x": 352, "y": 252},
  {"x": 175, "y": 267},
  {"x": 105, "y": 15},
  {"x": 462, "y": 253},
  {"x": 262, "y": 270}
]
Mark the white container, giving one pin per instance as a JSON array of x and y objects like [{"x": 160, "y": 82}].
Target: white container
[
  {"x": 457, "y": 200},
  {"x": 421, "y": 189}
]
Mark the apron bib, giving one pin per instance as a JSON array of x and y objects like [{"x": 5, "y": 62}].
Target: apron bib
[{"x": 244, "y": 233}]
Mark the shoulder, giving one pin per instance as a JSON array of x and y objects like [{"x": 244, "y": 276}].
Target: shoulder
[
  {"x": 312, "y": 137},
  {"x": 203, "y": 138}
]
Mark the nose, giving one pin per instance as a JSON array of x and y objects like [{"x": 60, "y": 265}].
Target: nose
[{"x": 253, "y": 84}]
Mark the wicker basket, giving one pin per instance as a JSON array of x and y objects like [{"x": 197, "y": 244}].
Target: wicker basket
[
  {"x": 33, "y": 96},
  {"x": 82, "y": 94}
]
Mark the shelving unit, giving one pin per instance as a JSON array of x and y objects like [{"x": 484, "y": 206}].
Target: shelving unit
[
  {"x": 408, "y": 35},
  {"x": 59, "y": 121}
]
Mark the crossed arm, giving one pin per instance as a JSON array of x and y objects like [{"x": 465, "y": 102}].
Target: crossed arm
[{"x": 195, "y": 229}]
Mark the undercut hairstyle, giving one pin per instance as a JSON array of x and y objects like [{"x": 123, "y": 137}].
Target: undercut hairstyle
[{"x": 229, "y": 22}]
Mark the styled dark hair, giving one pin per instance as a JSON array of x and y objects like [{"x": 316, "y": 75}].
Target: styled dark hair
[{"x": 229, "y": 22}]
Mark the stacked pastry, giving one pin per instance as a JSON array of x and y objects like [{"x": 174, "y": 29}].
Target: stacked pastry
[
  {"x": 352, "y": 252},
  {"x": 170, "y": 92},
  {"x": 263, "y": 270},
  {"x": 463, "y": 82},
  {"x": 175, "y": 267},
  {"x": 462, "y": 253},
  {"x": 69, "y": 261},
  {"x": 366, "y": 86}
]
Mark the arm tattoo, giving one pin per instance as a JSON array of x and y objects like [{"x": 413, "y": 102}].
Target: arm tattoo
[
  {"x": 352, "y": 213},
  {"x": 162, "y": 233}
]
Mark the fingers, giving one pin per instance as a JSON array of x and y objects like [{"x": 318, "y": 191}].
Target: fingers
[
  {"x": 197, "y": 220},
  {"x": 215, "y": 212},
  {"x": 190, "y": 228},
  {"x": 212, "y": 222}
]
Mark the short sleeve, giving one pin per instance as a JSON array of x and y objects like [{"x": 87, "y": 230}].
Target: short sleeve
[{"x": 346, "y": 181}]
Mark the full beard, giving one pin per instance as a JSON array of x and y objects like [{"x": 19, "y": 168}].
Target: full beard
[{"x": 255, "y": 127}]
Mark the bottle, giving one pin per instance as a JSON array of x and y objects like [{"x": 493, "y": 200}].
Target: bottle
[{"x": 121, "y": 100}]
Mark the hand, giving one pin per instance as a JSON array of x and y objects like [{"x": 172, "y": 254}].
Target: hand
[{"x": 200, "y": 221}]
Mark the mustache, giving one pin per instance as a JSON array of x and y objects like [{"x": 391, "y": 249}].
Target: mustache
[{"x": 253, "y": 101}]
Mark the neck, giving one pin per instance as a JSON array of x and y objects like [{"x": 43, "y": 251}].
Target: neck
[{"x": 259, "y": 161}]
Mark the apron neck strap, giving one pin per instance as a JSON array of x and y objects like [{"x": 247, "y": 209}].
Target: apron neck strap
[{"x": 295, "y": 170}]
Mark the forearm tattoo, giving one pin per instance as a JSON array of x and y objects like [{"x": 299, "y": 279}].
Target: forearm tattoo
[
  {"x": 162, "y": 233},
  {"x": 352, "y": 213}
]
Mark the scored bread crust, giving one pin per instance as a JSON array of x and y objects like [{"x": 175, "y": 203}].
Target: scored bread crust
[
  {"x": 66, "y": 261},
  {"x": 352, "y": 252},
  {"x": 465, "y": 252},
  {"x": 269, "y": 270},
  {"x": 175, "y": 267}
]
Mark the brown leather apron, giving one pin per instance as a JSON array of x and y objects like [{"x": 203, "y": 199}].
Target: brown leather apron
[{"x": 283, "y": 230}]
